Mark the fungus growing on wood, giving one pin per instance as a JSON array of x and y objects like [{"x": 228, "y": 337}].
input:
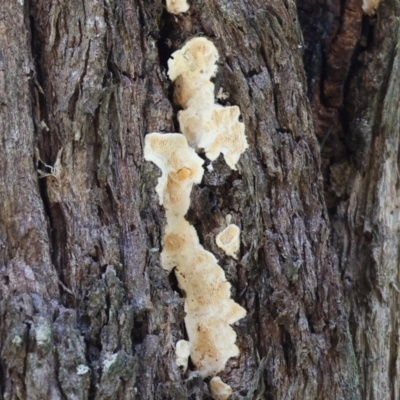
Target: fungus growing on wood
[
  {"x": 181, "y": 167},
  {"x": 208, "y": 306},
  {"x": 219, "y": 389},
  {"x": 182, "y": 352},
  {"x": 177, "y": 6},
  {"x": 194, "y": 62},
  {"x": 206, "y": 125},
  {"x": 229, "y": 240},
  {"x": 209, "y": 309},
  {"x": 369, "y": 6}
]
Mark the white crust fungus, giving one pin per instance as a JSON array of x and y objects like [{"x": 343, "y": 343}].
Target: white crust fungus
[
  {"x": 209, "y": 309},
  {"x": 195, "y": 62},
  {"x": 206, "y": 125},
  {"x": 208, "y": 306},
  {"x": 219, "y": 389},
  {"x": 229, "y": 240},
  {"x": 177, "y": 6},
  {"x": 369, "y": 6},
  {"x": 181, "y": 167},
  {"x": 182, "y": 352}
]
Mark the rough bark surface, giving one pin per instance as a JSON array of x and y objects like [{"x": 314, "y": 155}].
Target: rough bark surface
[
  {"x": 86, "y": 311},
  {"x": 358, "y": 128}
]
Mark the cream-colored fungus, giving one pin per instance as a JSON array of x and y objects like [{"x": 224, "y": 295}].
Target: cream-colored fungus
[
  {"x": 229, "y": 240},
  {"x": 182, "y": 352},
  {"x": 370, "y": 6},
  {"x": 181, "y": 167},
  {"x": 208, "y": 306},
  {"x": 177, "y": 6},
  {"x": 219, "y": 389},
  {"x": 205, "y": 125}
]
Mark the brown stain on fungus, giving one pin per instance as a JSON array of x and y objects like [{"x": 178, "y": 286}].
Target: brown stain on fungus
[{"x": 184, "y": 173}]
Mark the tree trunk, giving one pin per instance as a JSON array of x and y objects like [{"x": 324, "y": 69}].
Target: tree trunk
[
  {"x": 353, "y": 70},
  {"x": 86, "y": 310}
]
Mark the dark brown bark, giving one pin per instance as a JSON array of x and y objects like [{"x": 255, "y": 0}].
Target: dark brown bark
[
  {"x": 86, "y": 311},
  {"x": 359, "y": 133}
]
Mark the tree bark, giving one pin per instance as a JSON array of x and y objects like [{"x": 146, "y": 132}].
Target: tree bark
[
  {"x": 86, "y": 310},
  {"x": 353, "y": 74}
]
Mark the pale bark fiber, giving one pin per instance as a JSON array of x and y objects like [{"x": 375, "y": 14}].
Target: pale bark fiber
[{"x": 86, "y": 311}]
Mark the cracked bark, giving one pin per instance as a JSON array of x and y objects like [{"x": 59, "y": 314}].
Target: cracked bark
[
  {"x": 86, "y": 311},
  {"x": 358, "y": 127}
]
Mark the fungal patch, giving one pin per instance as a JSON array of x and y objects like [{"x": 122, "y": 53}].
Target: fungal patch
[
  {"x": 369, "y": 6},
  {"x": 177, "y": 6},
  {"x": 215, "y": 129},
  {"x": 181, "y": 167},
  {"x": 229, "y": 240},
  {"x": 206, "y": 125},
  {"x": 219, "y": 389},
  {"x": 208, "y": 306},
  {"x": 195, "y": 63},
  {"x": 182, "y": 352}
]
